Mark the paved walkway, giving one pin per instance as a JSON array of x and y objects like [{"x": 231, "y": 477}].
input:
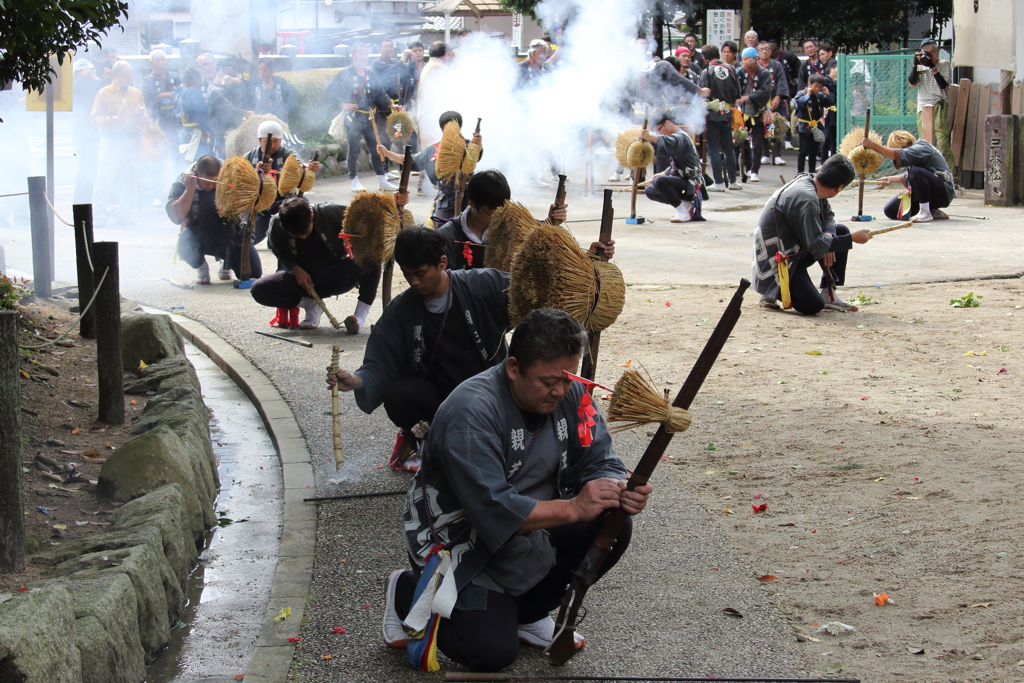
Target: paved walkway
[{"x": 659, "y": 613}]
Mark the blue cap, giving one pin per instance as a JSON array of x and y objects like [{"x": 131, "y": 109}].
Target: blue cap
[
  {"x": 928, "y": 41},
  {"x": 749, "y": 52}
]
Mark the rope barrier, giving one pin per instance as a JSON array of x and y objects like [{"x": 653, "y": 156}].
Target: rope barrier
[
  {"x": 16, "y": 194},
  {"x": 55, "y": 212},
  {"x": 76, "y": 320}
]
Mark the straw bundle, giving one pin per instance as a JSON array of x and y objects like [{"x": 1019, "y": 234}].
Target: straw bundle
[
  {"x": 452, "y": 154},
  {"x": 371, "y": 221},
  {"x": 242, "y": 189},
  {"x": 636, "y": 402},
  {"x": 295, "y": 175},
  {"x": 551, "y": 271},
  {"x": 781, "y": 124},
  {"x": 631, "y": 151},
  {"x": 865, "y": 161},
  {"x": 740, "y": 135},
  {"x": 510, "y": 225},
  {"x": 243, "y": 139},
  {"x": 400, "y": 125}
]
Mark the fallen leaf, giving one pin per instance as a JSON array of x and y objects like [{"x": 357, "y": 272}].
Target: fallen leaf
[
  {"x": 294, "y": 640},
  {"x": 969, "y": 353},
  {"x": 880, "y": 479},
  {"x": 813, "y": 639},
  {"x": 727, "y": 511},
  {"x": 915, "y": 650},
  {"x": 338, "y": 630},
  {"x": 767, "y": 578},
  {"x": 813, "y": 353},
  {"x": 239, "y": 677},
  {"x": 95, "y": 461},
  {"x": 626, "y": 364},
  {"x": 75, "y": 430},
  {"x": 760, "y": 508},
  {"x": 986, "y": 605},
  {"x": 25, "y": 374},
  {"x": 283, "y": 614},
  {"x": 142, "y": 364},
  {"x": 132, "y": 402},
  {"x": 732, "y": 612},
  {"x": 97, "y": 430},
  {"x": 881, "y": 598},
  {"x": 327, "y": 657}
]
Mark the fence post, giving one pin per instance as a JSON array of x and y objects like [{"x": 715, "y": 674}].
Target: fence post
[
  {"x": 12, "y": 500},
  {"x": 83, "y": 248},
  {"x": 42, "y": 273},
  {"x": 108, "y": 333}
]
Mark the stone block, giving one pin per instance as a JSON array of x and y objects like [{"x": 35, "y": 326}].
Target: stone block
[
  {"x": 147, "y": 462},
  {"x": 158, "y": 596},
  {"x": 164, "y": 509},
  {"x": 148, "y": 338},
  {"x": 107, "y": 629},
  {"x": 999, "y": 164},
  {"x": 37, "y": 643},
  {"x": 164, "y": 376}
]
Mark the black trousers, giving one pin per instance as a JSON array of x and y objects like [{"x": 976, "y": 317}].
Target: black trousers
[
  {"x": 925, "y": 187},
  {"x": 487, "y": 639},
  {"x": 281, "y": 290},
  {"x": 194, "y": 252},
  {"x": 358, "y": 130},
  {"x": 719, "y": 134},
  {"x": 806, "y": 297},
  {"x": 671, "y": 190},
  {"x": 828, "y": 147},
  {"x": 411, "y": 400},
  {"x": 808, "y": 152},
  {"x": 756, "y": 145}
]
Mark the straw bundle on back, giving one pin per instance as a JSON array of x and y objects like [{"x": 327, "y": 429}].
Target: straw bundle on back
[
  {"x": 551, "y": 271},
  {"x": 631, "y": 151},
  {"x": 510, "y": 225},
  {"x": 400, "y": 126},
  {"x": 371, "y": 221},
  {"x": 637, "y": 402},
  {"x": 243, "y": 139},
  {"x": 781, "y": 124},
  {"x": 453, "y": 156},
  {"x": 242, "y": 189},
  {"x": 865, "y": 161},
  {"x": 295, "y": 175}
]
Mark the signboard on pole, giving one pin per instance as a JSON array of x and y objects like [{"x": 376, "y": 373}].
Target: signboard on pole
[
  {"x": 722, "y": 25},
  {"x": 517, "y": 29},
  {"x": 62, "y": 85}
]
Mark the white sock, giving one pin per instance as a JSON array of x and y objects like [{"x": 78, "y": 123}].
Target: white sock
[
  {"x": 362, "y": 310},
  {"x": 926, "y": 209}
]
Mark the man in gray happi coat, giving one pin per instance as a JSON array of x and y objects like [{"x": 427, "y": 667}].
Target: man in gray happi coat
[
  {"x": 798, "y": 223},
  {"x": 513, "y": 484}
]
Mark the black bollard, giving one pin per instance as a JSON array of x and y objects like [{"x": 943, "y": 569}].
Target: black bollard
[
  {"x": 83, "y": 249},
  {"x": 12, "y": 499},
  {"x": 107, "y": 308},
  {"x": 42, "y": 249}
]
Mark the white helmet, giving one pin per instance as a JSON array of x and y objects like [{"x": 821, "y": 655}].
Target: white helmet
[{"x": 272, "y": 128}]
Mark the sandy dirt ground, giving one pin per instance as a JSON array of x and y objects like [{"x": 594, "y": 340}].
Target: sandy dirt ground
[{"x": 887, "y": 445}]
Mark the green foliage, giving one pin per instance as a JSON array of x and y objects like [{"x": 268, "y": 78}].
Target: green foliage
[
  {"x": 969, "y": 301},
  {"x": 30, "y": 31},
  {"x": 11, "y": 291},
  {"x": 849, "y": 26}
]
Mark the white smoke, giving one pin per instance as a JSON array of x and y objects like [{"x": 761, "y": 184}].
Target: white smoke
[{"x": 526, "y": 131}]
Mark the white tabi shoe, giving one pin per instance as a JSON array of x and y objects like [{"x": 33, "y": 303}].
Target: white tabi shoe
[
  {"x": 838, "y": 304},
  {"x": 383, "y": 184},
  {"x": 203, "y": 274},
  {"x": 312, "y": 310},
  {"x": 541, "y": 633},
  {"x": 752, "y": 178},
  {"x": 394, "y": 634},
  {"x": 682, "y": 213},
  {"x": 766, "y": 160},
  {"x": 356, "y": 185},
  {"x": 787, "y": 144},
  {"x": 779, "y": 161},
  {"x": 716, "y": 187}
]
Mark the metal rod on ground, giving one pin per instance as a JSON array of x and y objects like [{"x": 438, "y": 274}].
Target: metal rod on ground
[
  {"x": 83, "y": 245},
  {"x": 318, "y": 499},
  {"x": 339, "y": 457},
  {"x": 300, "y": 342},
  {"x": 107, "y": 311},
  {"x": 323, "y": 307},
  {"x": 506, "y": 678},
  {"x": 12, "y": 498},
  {"x": 42, "y": 271},
  {"x": 589, "y": 366}
]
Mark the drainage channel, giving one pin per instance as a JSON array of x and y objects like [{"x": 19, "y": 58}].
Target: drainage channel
[{"x": 228, "y": 592}]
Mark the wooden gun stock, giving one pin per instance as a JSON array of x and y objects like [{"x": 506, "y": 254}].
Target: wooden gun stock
[
  {"x": 589, "y": 365},
  {"x": 563, "y": 647}
]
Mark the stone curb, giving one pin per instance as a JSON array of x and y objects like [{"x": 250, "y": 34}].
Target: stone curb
[{"x": 272, "y": 657}]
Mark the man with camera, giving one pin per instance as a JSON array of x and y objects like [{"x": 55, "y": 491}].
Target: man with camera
[{"x": 931, "y": 77}]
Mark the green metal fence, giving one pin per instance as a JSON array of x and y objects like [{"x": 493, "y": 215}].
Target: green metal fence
[{"x": 878, "y": 81}]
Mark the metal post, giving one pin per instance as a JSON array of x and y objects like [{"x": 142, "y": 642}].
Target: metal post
[
  {"x": 107, "y": 308},
  {"x": 51, "y": 188},
  {"x": 42, "y": 259},
  {"x": 12, "y": 499},
  {"x": 83, "y": 247}
]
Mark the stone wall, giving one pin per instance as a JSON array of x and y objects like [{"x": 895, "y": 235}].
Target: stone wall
[{"x": 111, "y": 599}]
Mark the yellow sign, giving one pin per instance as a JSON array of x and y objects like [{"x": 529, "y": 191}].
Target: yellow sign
[{"x": 62, "y": 84}]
